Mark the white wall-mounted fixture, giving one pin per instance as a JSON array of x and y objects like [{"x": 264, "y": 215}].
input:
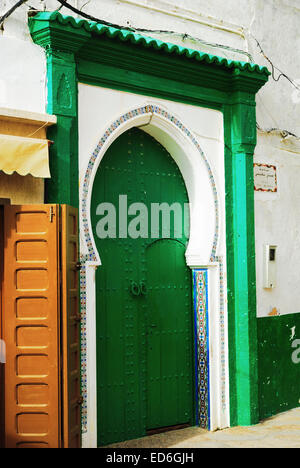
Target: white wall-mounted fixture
[{"x": 270, "y": 268}]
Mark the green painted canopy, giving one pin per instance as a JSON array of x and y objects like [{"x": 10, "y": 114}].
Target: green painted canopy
[{"x": 125, "y": 35}]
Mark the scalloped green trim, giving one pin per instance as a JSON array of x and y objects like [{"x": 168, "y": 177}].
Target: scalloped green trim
[{"x": 148, "y": 42}]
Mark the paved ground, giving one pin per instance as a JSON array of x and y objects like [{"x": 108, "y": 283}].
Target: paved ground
[{"x": 281, "y": 431}]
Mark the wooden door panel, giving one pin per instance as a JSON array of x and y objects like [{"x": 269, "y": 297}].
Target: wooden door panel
[
  {"x": 137, "y": 166},
  {"x": 169, "y": 344},
  {"x": 2, "y": 421},
  {"x": 119, "y": 356},
  {"x": 70, "y": 317},
  {"x": 31, "y": 326}
]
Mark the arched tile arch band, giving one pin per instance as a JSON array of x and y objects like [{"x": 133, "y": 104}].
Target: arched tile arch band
[{"x": 199, "y": 276}]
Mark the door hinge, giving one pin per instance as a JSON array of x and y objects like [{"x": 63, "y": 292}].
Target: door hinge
[{"x": 51, "y": 214}]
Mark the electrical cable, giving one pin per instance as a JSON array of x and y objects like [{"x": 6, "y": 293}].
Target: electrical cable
[
  {"x": 157, "y": 31},
  {"x": 284, "y": 133},
  {"x": 65, "y": 4},
  {"x": 274, "y": 67},
  {"x": 91, "y": 18},
  {"x": 11, "y": 10},
  {"x": 85, "y": 4},
  {"x": 184, "y": 36}
]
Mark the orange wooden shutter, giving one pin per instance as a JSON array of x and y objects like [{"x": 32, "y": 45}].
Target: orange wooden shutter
[
  {"x": 70, "y": 329},
  {"x": 1, "y": 335},
  {"x": 31, "y": 326}
]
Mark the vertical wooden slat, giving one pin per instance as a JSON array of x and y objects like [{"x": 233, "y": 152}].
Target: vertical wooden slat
[
  {"x": 70, "y": 324},
  {"x": 1, "y": 334},
  {"x": 31, "y": 326}
]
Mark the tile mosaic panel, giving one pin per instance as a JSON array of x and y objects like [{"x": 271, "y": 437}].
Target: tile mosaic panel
[{"x": 201, "y": 348}]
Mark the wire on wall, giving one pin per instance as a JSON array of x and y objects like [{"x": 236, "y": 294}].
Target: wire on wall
[
  {"x": 283, "y": 133},
  {"x": 184, "y": 36},
  {"x": 11, "y": 10},
  {"x": 281, "y": 74},
  {"x": 64, "y": 3}
]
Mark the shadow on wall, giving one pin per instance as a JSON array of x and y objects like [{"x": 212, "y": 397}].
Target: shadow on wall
[{"x": 278, "y": 364}]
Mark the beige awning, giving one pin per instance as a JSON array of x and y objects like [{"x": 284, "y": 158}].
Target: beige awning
[{"x": 24, "y": 156}]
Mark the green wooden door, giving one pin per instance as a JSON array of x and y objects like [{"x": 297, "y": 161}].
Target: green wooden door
[
  {"x": 169, "y": 350},
  {"x": 143, "y": 291}
]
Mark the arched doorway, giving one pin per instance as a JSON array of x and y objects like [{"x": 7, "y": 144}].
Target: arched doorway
[{"x": 144, "y": 320}]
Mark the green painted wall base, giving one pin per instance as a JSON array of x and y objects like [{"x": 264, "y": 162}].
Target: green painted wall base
[{"x": 278, "y": 369}]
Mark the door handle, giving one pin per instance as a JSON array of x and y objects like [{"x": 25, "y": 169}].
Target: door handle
[
  {"x": 135, "y": 289},
  {"x": 143, "y": 288}
]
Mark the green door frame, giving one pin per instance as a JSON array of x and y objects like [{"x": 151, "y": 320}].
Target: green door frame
[{"x": 81, "y": 51}]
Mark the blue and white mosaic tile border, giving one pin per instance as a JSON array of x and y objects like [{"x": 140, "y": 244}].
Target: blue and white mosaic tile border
[
  {"x": 91, "y": 255},
  {"x": 201, "y": 347}
]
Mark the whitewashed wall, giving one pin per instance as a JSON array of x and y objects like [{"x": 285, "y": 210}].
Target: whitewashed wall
[{"x": 233, "y": 25}]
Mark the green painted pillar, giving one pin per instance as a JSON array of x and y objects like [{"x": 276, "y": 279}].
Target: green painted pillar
[
  {"x": 62, "y": 101},
  {"x": 240, "y": 133},
  {"x": 61, "y": 44}
]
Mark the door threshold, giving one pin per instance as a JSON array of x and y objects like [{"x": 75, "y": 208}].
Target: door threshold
[{"x": 159, "y": 430}]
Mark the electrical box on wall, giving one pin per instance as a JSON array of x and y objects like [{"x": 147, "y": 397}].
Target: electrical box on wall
[{"x": 270, "y": 268}]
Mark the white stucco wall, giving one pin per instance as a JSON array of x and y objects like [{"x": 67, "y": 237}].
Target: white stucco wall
[
  {"x": 278, "y": 223},
  {"x": 229, "y": 29}
]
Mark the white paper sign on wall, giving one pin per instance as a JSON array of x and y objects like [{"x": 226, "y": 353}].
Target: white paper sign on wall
[{"x": 265, "y": 178}]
